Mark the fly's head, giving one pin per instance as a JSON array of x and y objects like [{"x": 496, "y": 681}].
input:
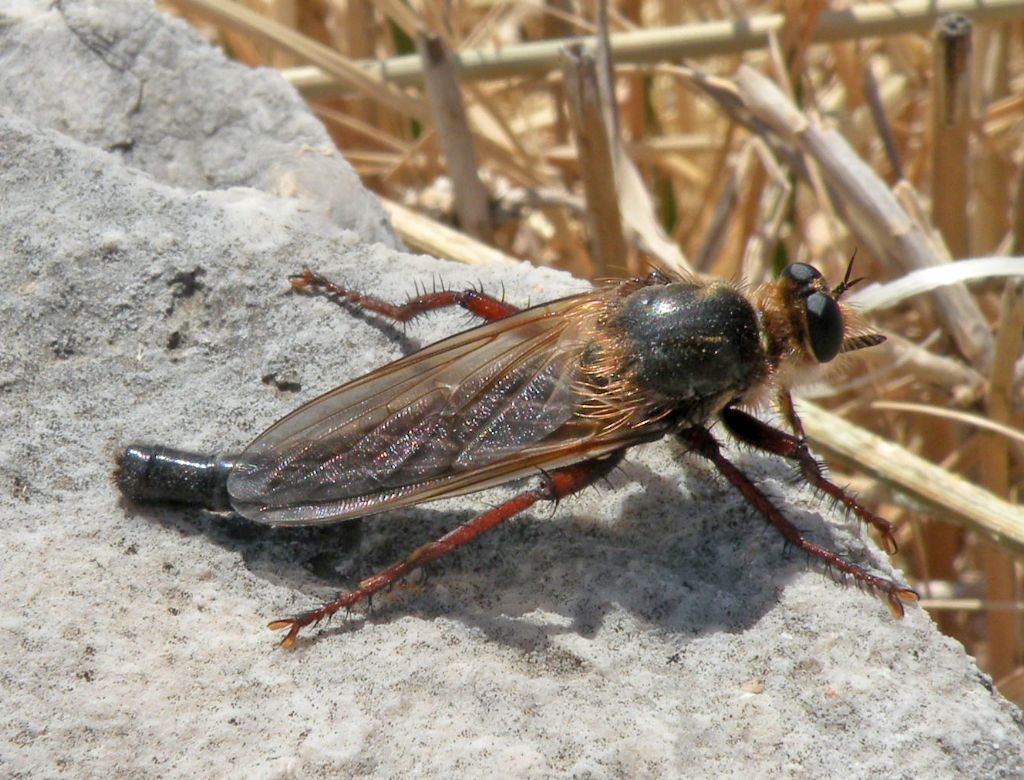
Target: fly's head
[{"x": 805, "y": 324}]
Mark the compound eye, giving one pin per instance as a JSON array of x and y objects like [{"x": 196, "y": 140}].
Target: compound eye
[
  {"x": 801, "y": 273},
  {"x": 824, "y": 326}
]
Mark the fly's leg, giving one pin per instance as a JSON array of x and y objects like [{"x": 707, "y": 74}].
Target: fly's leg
[
  {"x": 480, "y": 304},
  {"x": 554, "y": 486},
  {"x": 703, "y": 443},
  {"x": 789, "y": 412},
  {"x": 756, "y": 433}
]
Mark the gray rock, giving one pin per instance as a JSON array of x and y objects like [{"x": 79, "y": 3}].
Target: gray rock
[
  {"x": 650, "y": 628},
  {"x": 118, "y": 76}
]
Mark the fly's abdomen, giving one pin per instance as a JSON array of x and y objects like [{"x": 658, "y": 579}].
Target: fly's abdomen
[{"x": 147, "y": 473}]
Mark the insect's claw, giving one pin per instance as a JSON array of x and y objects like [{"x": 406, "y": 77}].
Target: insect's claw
[
  {"x": 896, "y": 597},
  {"x": 293, "y": 625},
  {"x": 296, "y": 624},
  {"x": 889, "y": 543},
  {"x": 907, "y": 595},
  {"x": 289, "y": 641},
  {"x": 301, "y": 281},
  {"x": 895, "y": 606}
]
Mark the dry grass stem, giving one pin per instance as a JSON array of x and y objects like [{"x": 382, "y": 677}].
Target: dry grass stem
[
  {"x": 1017, "y": 219},
  {"x": 688, "y": 41},
  {"x": 873, "y": 97},
  {"x": 1000, "y": 579},
  {"x": 951, "y": 125},
  {"x": 434, "y": 238},
  {"x": 973, "y": 605},
  {"x": 604, "y": 221},
  {"x": 472, "y": 200}
]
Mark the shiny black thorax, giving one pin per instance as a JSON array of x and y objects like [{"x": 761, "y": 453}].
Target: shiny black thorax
[{"x": 697, "y": 347}]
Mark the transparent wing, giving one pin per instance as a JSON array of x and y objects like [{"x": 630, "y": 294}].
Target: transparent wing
[{"x": 474, "y": 410}]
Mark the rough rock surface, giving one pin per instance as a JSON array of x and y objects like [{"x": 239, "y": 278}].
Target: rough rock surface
[{"x": 647, "y": 629}]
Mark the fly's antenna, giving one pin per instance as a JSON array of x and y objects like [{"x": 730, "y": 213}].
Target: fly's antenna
[{"x": 840, "y": 289}]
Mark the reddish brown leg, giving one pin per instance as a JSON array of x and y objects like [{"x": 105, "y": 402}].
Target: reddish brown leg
[
  {"x": 704, "y": 444},
  {"x": 554, "y": 486},
  {"x": 480, "y": 304},
  {"x": 756, "y": 433}
]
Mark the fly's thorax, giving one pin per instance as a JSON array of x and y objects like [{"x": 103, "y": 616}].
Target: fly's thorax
[{"x": 693, "y": 346}]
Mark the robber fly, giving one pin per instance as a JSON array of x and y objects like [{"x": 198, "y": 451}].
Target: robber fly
[{"x": 562, "y": 389}]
